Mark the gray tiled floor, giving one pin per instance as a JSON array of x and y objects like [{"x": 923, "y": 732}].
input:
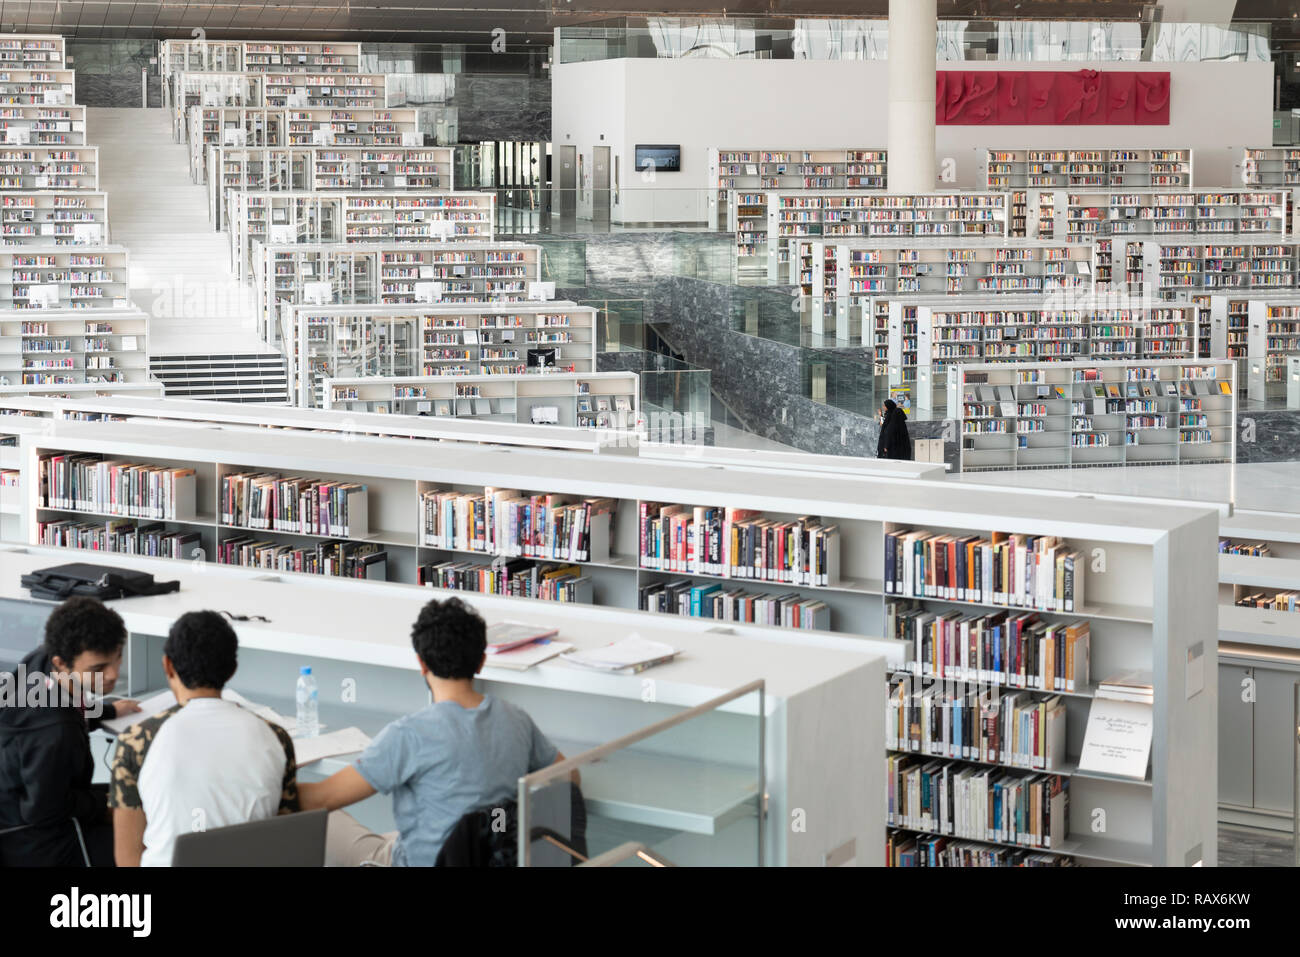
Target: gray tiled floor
[{"x": 1253, "y": 847}]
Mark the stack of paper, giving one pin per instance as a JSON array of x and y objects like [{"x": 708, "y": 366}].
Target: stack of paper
[
  {"x": 628, "y": 656},
  {"x": 343, "y": 741},
  {"x": 505, "y": 635}
]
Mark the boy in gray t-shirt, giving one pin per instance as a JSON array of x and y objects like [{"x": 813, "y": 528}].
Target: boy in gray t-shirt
[{"x": 464, "y": 751}]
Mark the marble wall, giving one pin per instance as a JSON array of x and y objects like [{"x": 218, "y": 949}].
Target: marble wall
[
  {"x": 502, "y": 107},
  {"x": 108, "y": 71}
]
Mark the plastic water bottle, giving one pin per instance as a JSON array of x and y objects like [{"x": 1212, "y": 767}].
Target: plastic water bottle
[{"x": 308, "y": 715}]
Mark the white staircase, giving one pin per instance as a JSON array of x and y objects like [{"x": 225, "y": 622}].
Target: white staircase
[{"x": 202, "y": 338}]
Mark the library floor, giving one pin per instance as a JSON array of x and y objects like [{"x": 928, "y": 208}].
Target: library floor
[
  {"x": 1254, "y": 847},
  {"x": 180, "y": 271}
]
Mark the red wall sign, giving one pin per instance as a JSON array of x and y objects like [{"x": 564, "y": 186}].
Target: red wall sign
[{"x": 1051, "y": 98}]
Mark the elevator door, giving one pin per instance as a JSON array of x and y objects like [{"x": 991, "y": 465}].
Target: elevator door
[
  {"x": 568, "y": 182},
  {"x": 600, "y": 186}
]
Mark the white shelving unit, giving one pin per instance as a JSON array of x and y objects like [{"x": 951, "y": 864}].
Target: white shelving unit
[
  {"x": 390, "y": 273},
  {"x": 32, "y": 51},
  {"x": 751, "y": 172},
  {"x": 1085, "y": 215},
  {"x": 1153, "y": 607},
  {"x": 1272, "y": 337},
  {"x": 54, "y": 217},
  {"x": 58, "y": 348},
  {"x": 812, "y": 214},
  {"x": 1050, "y": 415},
  {"x": 372, "y": 217},
  {"x": 315, "y": 169},
  {"x": 36, "y": 124},
  {"x": 926, "y": 335},
  {"x": 83, "y": 278},
  {"x": 410, "y": 341},
  {"x": 1079, "y": 168},
  {"x": 374, "y": 127},
  {"x": 25, "y": 168},
  {"x": 42, "y": 85},
  {"x": 854, "y": 270},
  {"x": 584, "y": 400},
  {"x": 1272, "y": 166}
]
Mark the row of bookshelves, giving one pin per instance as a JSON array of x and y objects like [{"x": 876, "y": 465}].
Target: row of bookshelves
[
  {"x": 1061, "y": 168},
  {"x": 493, "y": 521},
  {"x": 415, "y": 216},
  {"x": 1109, "y": 413},
  {"x": 390, "y": 273}
]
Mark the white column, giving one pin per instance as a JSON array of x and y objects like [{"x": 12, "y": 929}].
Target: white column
[{"x": 913, "y": 25}]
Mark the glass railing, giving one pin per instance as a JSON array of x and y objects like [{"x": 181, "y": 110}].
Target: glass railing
[
  {"x": 686, "y": 791},
  {"x": 620, "y": 322},
  {"x": 956, "y": 40}
]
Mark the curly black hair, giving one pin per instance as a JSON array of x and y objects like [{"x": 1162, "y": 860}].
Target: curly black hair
[
  {"x": 203, "y": 649},
  {"x": 450, "y": 638},
  {"x": 83, "y": 624}
]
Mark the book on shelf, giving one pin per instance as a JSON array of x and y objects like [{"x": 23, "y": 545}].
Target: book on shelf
[
  {"x": 333, "y": 558},
  {"x": 1016, "y": 650},
  {"x": 738, "y": 543},
  {"x": 1020, "y": 571},
  {"x": 1128, "y": 686},
  {"x": 693, "y": 599},
  {"x": 88, "y": 483},
  {"x": 510, "y": 523},
  {"x": 977, "y": 803},
  {"x": 303, "y": 506},
  {"x": 971, "y": 723},
  {"x": 518, "y": 578}
]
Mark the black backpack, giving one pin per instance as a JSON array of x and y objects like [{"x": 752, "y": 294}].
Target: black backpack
[{"x": 97, "y": 581}]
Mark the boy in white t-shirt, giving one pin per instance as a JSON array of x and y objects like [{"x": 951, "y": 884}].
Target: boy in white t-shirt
[{"x": 203, "y": 764}]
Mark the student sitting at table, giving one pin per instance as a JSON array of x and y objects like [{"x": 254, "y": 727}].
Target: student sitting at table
[
  {"x": 204, "y": 763},
  {"x": 461, "y": 753},
  {"x": 48, "y": 707}
]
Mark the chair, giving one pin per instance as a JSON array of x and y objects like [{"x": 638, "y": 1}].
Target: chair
[
  {"x": 287, "y": 840},
  {"x": 76, "y": 826},
  {"x": 478, "y": 840}
]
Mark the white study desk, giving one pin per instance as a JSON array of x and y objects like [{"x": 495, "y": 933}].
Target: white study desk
[{"x": 823, "y": 702}]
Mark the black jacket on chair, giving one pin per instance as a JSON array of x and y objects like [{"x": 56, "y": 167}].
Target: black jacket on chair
[
  {"x": 45, "y": 771},
  {"x": 894, "y": 441}
]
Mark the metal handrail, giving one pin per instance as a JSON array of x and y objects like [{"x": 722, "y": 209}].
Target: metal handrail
[{"x": 567, "y": 767}]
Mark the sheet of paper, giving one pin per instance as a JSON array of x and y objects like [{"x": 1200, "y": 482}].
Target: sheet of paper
[
  {"x": 343, "y": 741},
  {"x": 1118, "y": 738},
  {"x": 154, "y": 704}
]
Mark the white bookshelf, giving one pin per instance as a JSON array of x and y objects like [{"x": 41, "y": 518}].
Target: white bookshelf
[
  {"x": 1193, "y": 267},
  {"x": 927, "y": 334},
  {"x": 55, "y": 348},
  {"x": 1150, "y": 605},
  {"x": 390, "y": 273},
  {"x": 41, "y": 85},
  {"x": 81, "y": 278},
  {"x": 32, "y": 51},
  {"x": 583, "y": 400},
  {"x": 371, "y": 217},
  {"x": 753, "y": 172},
  {"x": 276, "y": 89},
  {"x": 811, "y": 214},
  {"x": 315, "y": 169},
  {"x": 421, "y": 340},
  {"x": 41, "y": 125},
  {"x": 1078, "y": 168},
  {"x": 298, "y": 126},
  {"x": 1272, "y": 166},
  {"x": 1050, "y": 416},
  {"x": 1272, "y": 337},
  {"x": 1085, "y": 215},
  {"x": 24, "y": 168},
  {"x": 297, "y": 56},
  {"x": 852, "y": 271},
  {"x": 54, "y": 217}
]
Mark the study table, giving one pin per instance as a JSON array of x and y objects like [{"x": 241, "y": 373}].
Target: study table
[{"x": 822, "y": 706}]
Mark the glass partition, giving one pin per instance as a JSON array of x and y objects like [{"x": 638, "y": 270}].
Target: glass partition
[
  {"x": 686, "y": 791},
  {"x": 956, "y": 40}
]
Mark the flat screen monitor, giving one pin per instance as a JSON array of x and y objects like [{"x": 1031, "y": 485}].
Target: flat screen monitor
[
  {"x": 541, "y": 358},
  {"x": 667, "y": 159}
]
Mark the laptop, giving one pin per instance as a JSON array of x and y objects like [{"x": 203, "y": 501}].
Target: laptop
[{"x": 287, "y": 840}]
